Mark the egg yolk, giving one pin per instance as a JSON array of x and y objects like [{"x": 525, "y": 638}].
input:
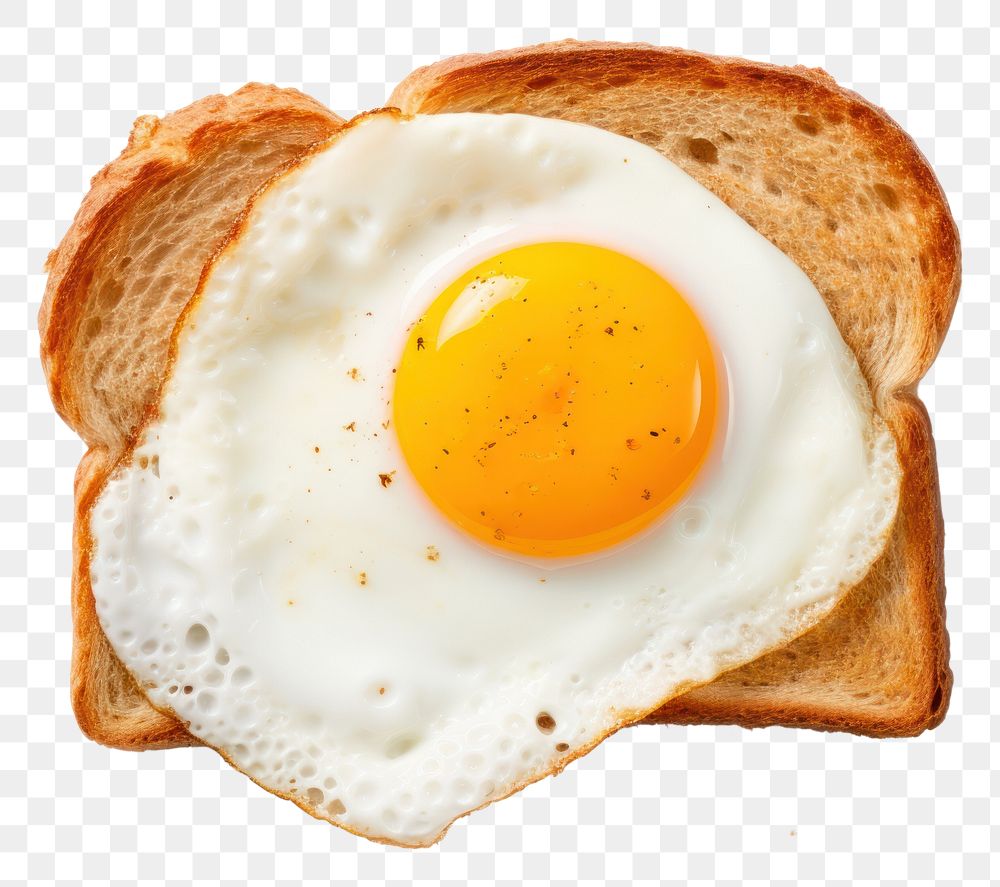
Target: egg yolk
[{"x": 556, "y": 399}]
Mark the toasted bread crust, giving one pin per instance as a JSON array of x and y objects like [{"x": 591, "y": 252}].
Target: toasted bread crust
[{"x": 778, "y": 688}]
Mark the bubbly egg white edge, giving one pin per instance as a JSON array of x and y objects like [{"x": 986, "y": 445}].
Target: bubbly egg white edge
[{"x": 179, "y": 616}]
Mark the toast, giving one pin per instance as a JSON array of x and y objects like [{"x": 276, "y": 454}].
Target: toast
[{"x": 829, "y": 178}]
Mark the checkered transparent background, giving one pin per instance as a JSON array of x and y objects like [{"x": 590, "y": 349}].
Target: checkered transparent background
[{"x": 677, "y": 804}]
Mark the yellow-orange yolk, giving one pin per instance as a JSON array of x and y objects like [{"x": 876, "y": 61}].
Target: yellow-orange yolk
[{"x": 556, "y": 399}]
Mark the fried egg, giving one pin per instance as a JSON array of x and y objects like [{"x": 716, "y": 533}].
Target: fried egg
[{"x": 483, "y": 437}]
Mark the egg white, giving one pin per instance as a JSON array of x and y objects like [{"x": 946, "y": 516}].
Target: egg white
[{"x": 268, "y": 569}]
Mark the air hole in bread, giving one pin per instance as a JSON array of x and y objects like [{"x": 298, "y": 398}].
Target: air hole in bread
[
  {"x": 925, "y": 265},
  {"x": 713, "y": 82},
  {"x": 541, "y": 81},
  {"x": 807, "y": 124},
  {"x": 938, "y": 697},
  {"x": 315, "y": 796},
  {"x": 831, "y": 224},
  {"x": 887, "y": 194},
  {"x": 545, "y": 722},
  {"x": 562, "y": 746},
  {"x": 703, "y": 150},
  {"x": 726, "y": 137},
  {"x": 773, "y": 188},
  {"x": 620, "y": 79}
]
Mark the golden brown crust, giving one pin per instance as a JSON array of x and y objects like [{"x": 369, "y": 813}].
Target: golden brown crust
[
  {"x": 840, "y": 188},
  {"x": 774, "y": 689}
]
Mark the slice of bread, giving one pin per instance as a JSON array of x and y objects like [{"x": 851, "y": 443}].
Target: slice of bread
[
  {"x": 841, "y": 189},
  {"x": 830, "y": 179}
]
